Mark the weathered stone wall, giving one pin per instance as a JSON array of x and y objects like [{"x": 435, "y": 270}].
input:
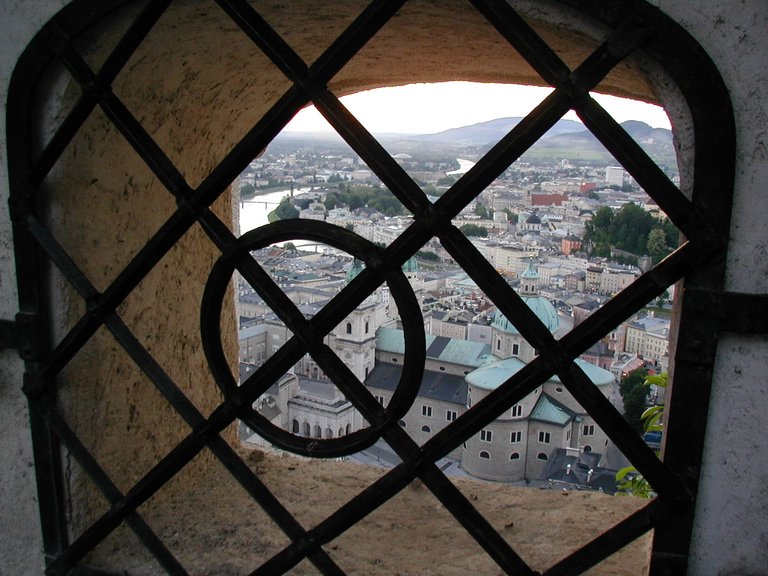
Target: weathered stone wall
[{"x": 197, "y": 85}]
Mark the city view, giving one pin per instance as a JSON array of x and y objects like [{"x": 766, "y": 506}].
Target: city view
[{"x": 565, "y": 226}]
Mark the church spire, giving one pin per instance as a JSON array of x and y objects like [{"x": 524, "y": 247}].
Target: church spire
[{"x": 529, "y": 281}]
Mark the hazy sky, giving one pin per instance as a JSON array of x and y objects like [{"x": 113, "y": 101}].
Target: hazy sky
[{"x": 429, "y": 108}]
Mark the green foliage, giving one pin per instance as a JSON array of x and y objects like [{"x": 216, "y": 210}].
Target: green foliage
[
  {"x": 426, "y": 255},
  {"x": 302, "y": 203},
  {"x": 446, "y": 181},
  {"x": 357, "y": 196},
  {"x": 511, "y": 216},
  {"x": 631, "y": 483},
  {"x": 247, "y": 190},
  {"x": 483, "y": 212},
  {"x": 474, "y": 230},
  {"x": 285, "y": 210},
  {"x": 628, "y": 480},
  {"x": 634, "y": 393},
  {"x": 657, "y": 244},
  {"x": 630, "y": 229}
]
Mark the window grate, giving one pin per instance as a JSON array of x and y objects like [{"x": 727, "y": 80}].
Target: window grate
[{"x": 703, "y": 220}]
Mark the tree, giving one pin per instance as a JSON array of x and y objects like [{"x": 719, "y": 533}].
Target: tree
[
  {"x": 331, "y": 200},
  {"x": 627, "y": 229},
  {"x": 628, "y": 480},
  {"x": 657, "y": 244},
  {"x": 247, "y": 190},
  {"x": 426, "y": 255},
  {"x": 285, "y": 210},
  {"x": 474, "y": 230},
  {"x": 481, "y": 211},
  {"x": 634, "y": 393}
]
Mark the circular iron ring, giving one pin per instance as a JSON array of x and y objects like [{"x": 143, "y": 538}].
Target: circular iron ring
[{"x": 413, "y": 365}]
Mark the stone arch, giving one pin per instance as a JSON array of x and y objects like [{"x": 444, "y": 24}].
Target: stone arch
[{"x": 100, "y": 162}]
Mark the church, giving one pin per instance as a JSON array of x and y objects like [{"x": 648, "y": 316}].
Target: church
[{"x": 521, "y": 444}]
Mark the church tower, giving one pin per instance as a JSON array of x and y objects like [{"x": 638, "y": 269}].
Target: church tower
[
  {"x": 354, "y": 339},
  {"x": 507, "y": 342}
]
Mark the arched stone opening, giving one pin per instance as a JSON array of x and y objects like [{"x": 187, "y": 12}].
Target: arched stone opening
[{"x": 196, "y": 87}]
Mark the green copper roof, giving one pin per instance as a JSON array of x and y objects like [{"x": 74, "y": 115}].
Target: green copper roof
[
  {"x": 494, "y": 374},
  {"x": 411, "y": 265},
  {"x": 548, "y": 410},
  {"x": 530, "y": 272},
  {"x": 451, "y": 350},
  {"x": 541, "y": 307},
  {"x": 357, "y": 267},
  {"x": 599, "y": 376}
]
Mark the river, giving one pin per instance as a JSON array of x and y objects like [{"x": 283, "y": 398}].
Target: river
[{"x": 253, "y": 212}]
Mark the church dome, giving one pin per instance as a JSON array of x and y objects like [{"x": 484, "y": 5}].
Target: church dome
[
  {"x": 533, "y": 219},
  {"x": 357, "y": 267},
  {"x": 411, "y": 265},
  {"x": 543, "y": 309}
]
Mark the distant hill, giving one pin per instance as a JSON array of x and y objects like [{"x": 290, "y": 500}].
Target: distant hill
[
  {"x": 657, "y": 143},
  {"x": 489, "y": 132},
  {"x": 566, "y": 139}
]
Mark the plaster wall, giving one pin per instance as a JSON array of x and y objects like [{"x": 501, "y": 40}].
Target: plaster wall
[
  {"x": 732, "y": 32},
  {"x": 730, "y": 533},
  {"x": 21, "y": 542}
]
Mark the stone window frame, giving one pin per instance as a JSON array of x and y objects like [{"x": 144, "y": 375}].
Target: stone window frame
[{"x": 704, "y": 219}]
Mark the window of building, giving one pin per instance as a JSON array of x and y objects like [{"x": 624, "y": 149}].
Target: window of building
[
  {"x": 516, "y": 436},
  {"x": 542, "y": 456},
  {"x": 380, "y": 399},
  {"x": 450, "y": 415},
  {"x": 426, "y": 429},
  {"x": 543, "y": 437},
  {"x": 514, "y": 456},
  {"x": 402, "y": 423},
  {"x": 486, "y": 435},
  {"x": 426, "y": 411},
  {"x": 588, "y": 430},
  {"x": 349, "y": 328},
  {"x": 517, "y": 411},
  {"x": 485, "y": 455},
  {"x": 515, "y": 349}
]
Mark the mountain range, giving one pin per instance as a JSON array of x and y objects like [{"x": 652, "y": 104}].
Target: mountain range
[{"x": 566, "y": 139}]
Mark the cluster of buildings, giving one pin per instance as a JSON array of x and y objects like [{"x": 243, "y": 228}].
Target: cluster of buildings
[
  {"x": 471, "y": 349},
  {"x": 535, "y": 220}
]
